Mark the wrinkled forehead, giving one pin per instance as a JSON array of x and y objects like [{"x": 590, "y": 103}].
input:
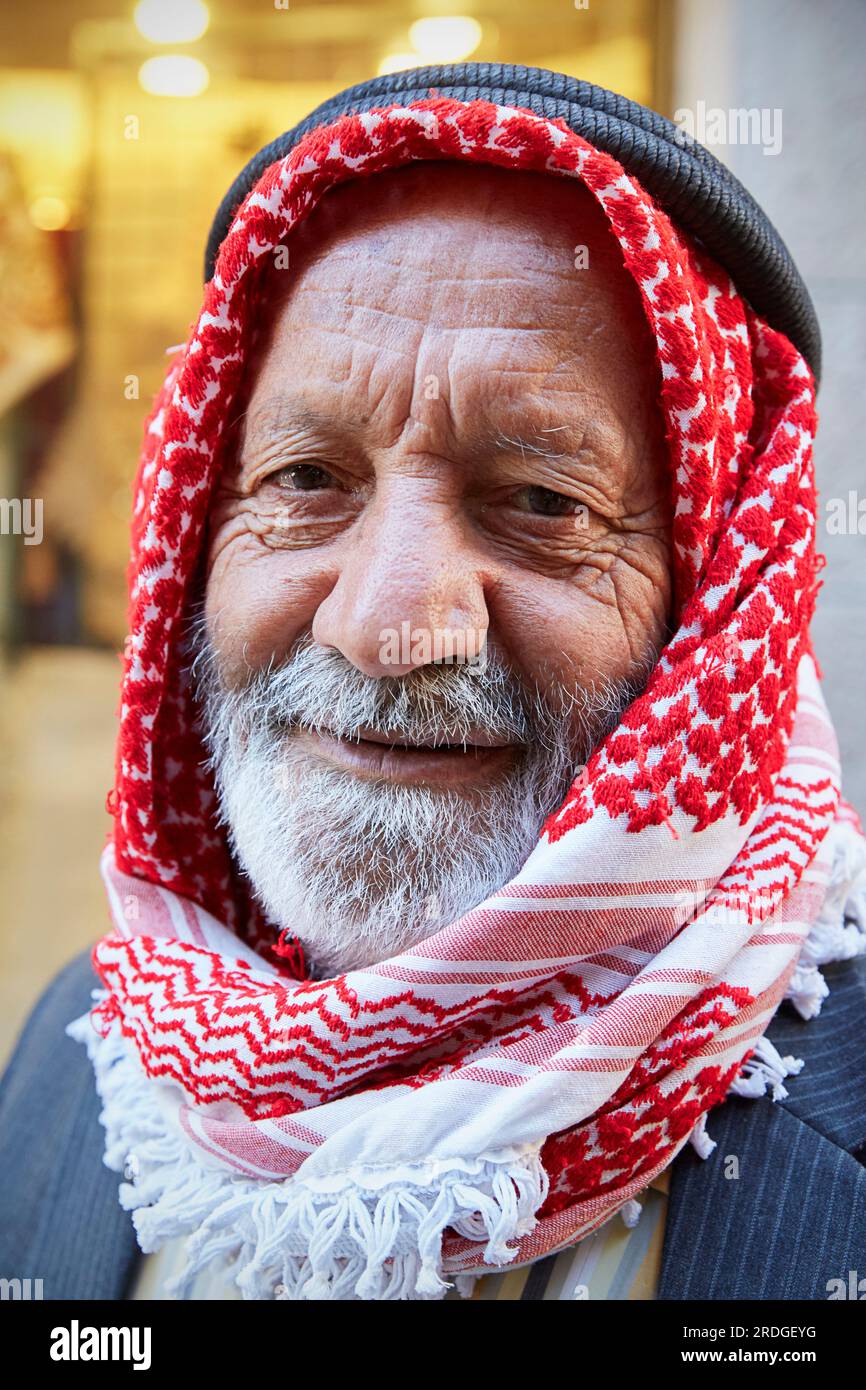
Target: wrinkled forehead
[{"x": 478, "y": 274}]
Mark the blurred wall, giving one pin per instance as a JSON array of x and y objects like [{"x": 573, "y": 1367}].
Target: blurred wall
[{"x": 807, "y": 61}]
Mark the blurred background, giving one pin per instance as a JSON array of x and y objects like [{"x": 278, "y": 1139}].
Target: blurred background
[{"x": 121, "y": 127}]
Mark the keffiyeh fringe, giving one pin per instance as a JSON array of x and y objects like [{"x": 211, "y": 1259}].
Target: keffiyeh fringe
[{"x": 380, "y": 1239}]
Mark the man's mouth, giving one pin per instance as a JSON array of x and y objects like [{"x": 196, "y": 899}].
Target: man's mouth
[
  {"x": 476, "y": 739},
  {"x": 392, "y": 757}
]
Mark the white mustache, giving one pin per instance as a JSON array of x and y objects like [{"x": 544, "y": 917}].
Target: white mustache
[{"x": 318, "y": 689}]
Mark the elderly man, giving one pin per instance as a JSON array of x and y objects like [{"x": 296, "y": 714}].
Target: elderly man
[
  {"x": 449, "y": 431},
  {"x": 477, "y": 806}
]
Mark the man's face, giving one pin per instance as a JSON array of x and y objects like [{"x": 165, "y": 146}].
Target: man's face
[{"x": 452, "y": 447}]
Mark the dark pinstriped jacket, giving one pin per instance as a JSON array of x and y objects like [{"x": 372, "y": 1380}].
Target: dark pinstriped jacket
[{"x": 792, "y": 1225}]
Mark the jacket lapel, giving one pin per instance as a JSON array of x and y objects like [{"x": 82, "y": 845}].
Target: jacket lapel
[
  {"x": 60, "y": 1219},
  {"x": 778, "y": 1210}
]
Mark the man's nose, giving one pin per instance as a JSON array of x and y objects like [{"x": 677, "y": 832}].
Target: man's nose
[{"x": 409, "y": 590}]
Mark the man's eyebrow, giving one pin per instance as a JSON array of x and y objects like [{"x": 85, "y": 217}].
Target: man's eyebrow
[
  {"x": 281, "y": 413},
  {"x": 540, "y": 444}
]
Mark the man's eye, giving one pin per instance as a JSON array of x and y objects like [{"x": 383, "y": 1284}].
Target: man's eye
[
  {"x": 304, "y": 477},
  {"x": 544, "y": 502}
]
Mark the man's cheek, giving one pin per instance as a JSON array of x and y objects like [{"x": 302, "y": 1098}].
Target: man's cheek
[
  {"x": 258, "y": 602},
  {"x": 559, "y": 635},
  {"x": 642, "y": 585}
]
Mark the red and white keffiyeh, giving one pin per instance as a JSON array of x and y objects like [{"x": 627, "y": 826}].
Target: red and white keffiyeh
[{"x": 501, "y": 1089}]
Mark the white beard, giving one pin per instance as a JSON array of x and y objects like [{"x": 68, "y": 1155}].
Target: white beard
[{"x": 361, "y": 870}]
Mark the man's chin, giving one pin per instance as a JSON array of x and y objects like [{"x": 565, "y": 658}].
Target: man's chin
[{"x": 360, "y": 867}]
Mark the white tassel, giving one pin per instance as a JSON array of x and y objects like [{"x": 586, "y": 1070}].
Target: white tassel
[
  {"x": 630, "y": 1212},
  {"x": 700, "y": 1140},
  {"x": 292, "y": 1240},
  {"x": 465, "y": 1284},
  {"x": 839, "y": 931},
  {"x": 764, "y": 1070}
]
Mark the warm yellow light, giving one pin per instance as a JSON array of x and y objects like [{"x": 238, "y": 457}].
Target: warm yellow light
[
  {"x": 173, "y": 75},
  {"x": 171, "y": 21},
  {"x": 398, "y": 62},
  {"x": 48, "y": 213},
  {"x": 446, "y": 39}
]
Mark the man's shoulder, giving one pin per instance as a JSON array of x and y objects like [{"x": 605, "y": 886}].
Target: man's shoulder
[
  {"x": 830, "y": 1092},
  {"x": 59, "y": 1214},
  {"x": 778, "y": 1209}
]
